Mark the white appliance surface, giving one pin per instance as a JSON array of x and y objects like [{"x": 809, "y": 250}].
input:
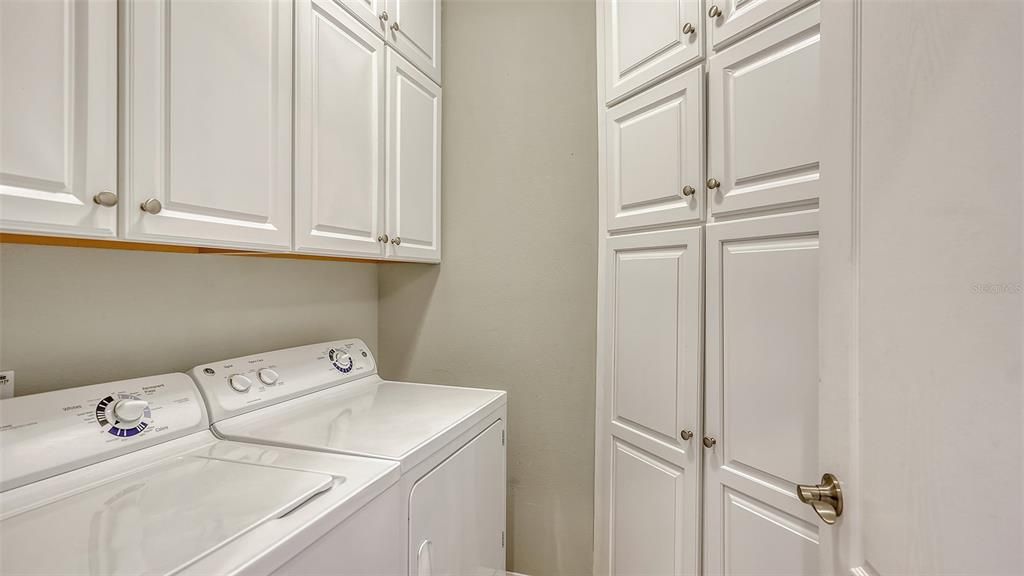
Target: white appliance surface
[
  {"x": 339, "y": 405},
  {"x": 86, "y": 492}
]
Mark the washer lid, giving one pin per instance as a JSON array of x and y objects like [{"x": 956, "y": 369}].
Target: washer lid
[
  {"x": 157, "y": 520},
  {"x": 370, "y": 417}
]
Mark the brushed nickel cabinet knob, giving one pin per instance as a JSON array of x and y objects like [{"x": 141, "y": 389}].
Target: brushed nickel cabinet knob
[
  {"x": 689, "y": 28},
  {"x": 685, "y": 434},
  {"x": 394, "y": 27},
  {"x": 715, "y": 11},
  {"x": 152, "y": 206},
  {"x": 383, "y": 16},
  {"x": 689, "y": 191},
  {"x": 709, "y": 442},
  {"x": 105, "y": 198},
  {"x": 396, "y": 241},
  {"x": 713, "y": 183},
  {"x": 382, "y": 238}
]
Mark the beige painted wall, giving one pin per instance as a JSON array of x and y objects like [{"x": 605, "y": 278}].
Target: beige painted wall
[
  {"x": 513, "y": 306},
  {"x": 74, "y": 316}
]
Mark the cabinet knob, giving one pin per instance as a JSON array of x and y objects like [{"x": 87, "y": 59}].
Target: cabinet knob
[
  {"x": 105, "y": 198},
  {"x": 383, "y": 16},
  {"x": 685, "y": 434},
  {"x": 396, "y": 241},
  {"x": 715, "y": 11},
  {"x": 709, "y": 442},
  {"x": 382, "y": 238},
  {"x": 394, "y": 26},
  {"x": 689, "y": 28},
  {"x": 713, "y": 183},
  {"x": 152, "y": 206},
  {"x": 689, "y": 191}
]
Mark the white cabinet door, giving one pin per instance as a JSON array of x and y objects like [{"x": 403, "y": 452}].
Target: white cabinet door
[
  {"x": 414, "y": 29},
  {"x": 373, "y": 13},
  {"x": 763, "y": 135},
  {"x": 457, "y": 511},
  {"x": 655, "y": 155},
  {"x": 414, "y": 163},
  {"x": 645, "y": 41},
  {"x": 207, "y": 122},
  {"x": 739, "y": 18},
  {"x": 339, "y": 133},
  {"x": 58, "y": 116},
  {"x": 761, "y": 395},
  {"x": 653, "y": 368}
]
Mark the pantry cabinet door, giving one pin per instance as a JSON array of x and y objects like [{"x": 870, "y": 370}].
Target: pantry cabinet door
[
  {"x": 414, "y": 163},
  {"x": 739, "y": 18},
  {"x": 655, "y": 155},
  {"x": 372, "y": 13},
  {"x": 339, "y": 134},
  {"x": 763, "y": 127},
  {"x": 58, "y": 117},
  {"x": 761, "y": 395},
  {"x": 207, "y": 122},
  {"x": 414, "y": 29},
  {"x": 651, "y": 417},
  {"x": 646, "y": 40}
]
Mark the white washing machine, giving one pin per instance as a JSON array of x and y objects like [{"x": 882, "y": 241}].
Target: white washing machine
[
  {"x": 126, "y": 478},
  {"x": 449, "y": 441}
]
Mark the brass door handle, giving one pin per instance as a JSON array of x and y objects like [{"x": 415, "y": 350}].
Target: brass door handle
[{"x": 826, "y": 498}]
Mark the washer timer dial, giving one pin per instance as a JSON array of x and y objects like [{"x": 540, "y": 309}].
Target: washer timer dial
[
  {"x": 123, "y": 415},
  {"x": 341, "y": 360}
]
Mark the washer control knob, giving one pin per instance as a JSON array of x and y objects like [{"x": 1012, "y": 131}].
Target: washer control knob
[
  {"x": 268, "y": 376},
  {"x": 130, "y": 411},
  {"x": 240, "y": 382}
]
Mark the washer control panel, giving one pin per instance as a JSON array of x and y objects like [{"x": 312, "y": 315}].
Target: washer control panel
[
  {"x": 51, "y": 433},
  {"x": 239, "y": 385}
]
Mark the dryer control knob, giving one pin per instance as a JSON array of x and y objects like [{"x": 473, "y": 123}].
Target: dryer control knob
[
  {"x": 240, "y": 382},
  {"x": 130, "y": 411},
  {"x": 268, "y": 376}
]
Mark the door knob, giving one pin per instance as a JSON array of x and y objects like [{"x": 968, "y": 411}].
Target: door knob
[
  {"x": 715, "y": 12},
  {"x": 689, "y": 28},
  {"x": 152, "y": 206},
  {"x": 382, "y": 238},
  {"x": 685, "y": 434},
  {"x": 713, "y": 183},
  {"x": 689, "y": 191},
  {"x": 709, "y": 442},
  {"x": 396, "y": 240},
  {"x": 105, "y": 198},
  {"x": 826, "y": 498}
]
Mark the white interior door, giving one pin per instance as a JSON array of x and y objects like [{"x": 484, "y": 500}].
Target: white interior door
[
  {"x": 647, "y": 40},
  {"x": 655, "y": 155},
  {"x": 457, "y": 512},
  {"x": 413, "y": 163},
  {"x": 764, "y": 101},
  {"x": 58, "y": 116},
  {"x": 761, "y": 395},
  {"x": 922, "y": 400},
  {"x": 414, "y": 29},
  {"x": 339, "y": 133},
  {"x": 207, "y": 126},
  {"x": 651, "y": 430}
]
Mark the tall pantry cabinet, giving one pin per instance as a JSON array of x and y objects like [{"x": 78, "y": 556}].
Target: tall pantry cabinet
[{"x": 707, "y": 327}]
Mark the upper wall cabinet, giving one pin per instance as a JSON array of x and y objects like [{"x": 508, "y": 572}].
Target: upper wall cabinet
[
  {"x": 339, "y": 133},
  {"x": 207, "y": 116},
  {"x": 373, "y": 13},
  {"x": 414, "y": 29},
  {"x": 58, "y": 118},
  {"x": 414, "y": 163},
  {"x": 654, "y": 155},
  {"x": 764, "y": 142},
  {"x": 647, "y": 40},
  {"x": 730, "y": 20}
]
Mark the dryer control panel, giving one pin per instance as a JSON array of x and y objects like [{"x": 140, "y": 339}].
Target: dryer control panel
[
  {"x": 240, "y": 385},
  {"x": 42, "y": 435}
]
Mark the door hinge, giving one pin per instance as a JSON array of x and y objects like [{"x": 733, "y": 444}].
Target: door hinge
[{"x": 502, "y": 538}]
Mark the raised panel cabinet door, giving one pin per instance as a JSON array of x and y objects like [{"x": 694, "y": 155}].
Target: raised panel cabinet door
[
  {"x": 372, "y": 13},
  {"x": 207, "y": 122},
  {"x": 414, "y": 29},
  {"x": 58, "y": 117},
  {"x": 653, "y": 367},
  {"x": 457, "y": 511},
  {"x": 655, "y": 155},
  {"x": 339, "y": 134},
  {"x": 413, "y": 163},
  {"x": 736, "y": 19},
  {"x": 761, "y": 395},
  {"x": 763, "y": 127},
  {"x": 647, "y": 40}
]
